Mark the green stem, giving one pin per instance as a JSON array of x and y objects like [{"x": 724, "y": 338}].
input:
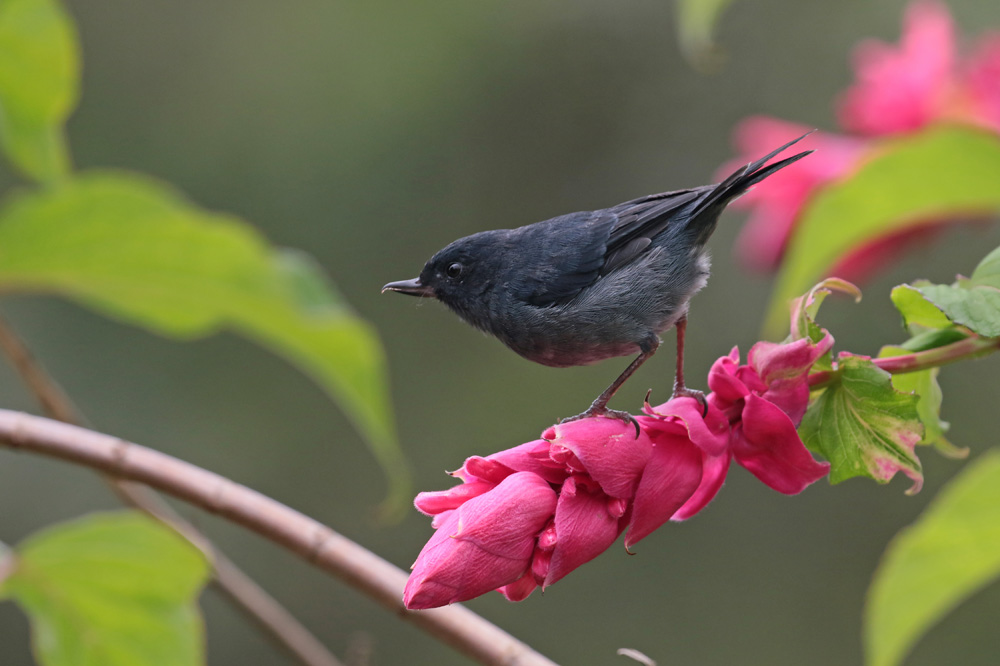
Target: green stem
[{"x": 968, "y": 348}]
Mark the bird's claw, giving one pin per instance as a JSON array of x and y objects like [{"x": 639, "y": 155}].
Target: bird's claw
[
  {"x": 685, "y": 392},
  {"x": 622, "y": 416}
]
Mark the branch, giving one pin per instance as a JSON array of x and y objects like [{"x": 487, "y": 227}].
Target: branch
[
  {"x": 244, "y": 592},
  {"x": 312, "y": 541}
]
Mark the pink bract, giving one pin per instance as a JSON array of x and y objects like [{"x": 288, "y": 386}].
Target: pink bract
[
  {"x": 486, "y": 542},
  {"x": 765, "y": 401},
  {"x": 527, "y": 516}
]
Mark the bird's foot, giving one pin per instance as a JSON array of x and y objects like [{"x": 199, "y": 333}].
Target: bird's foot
[
  {"x": 624, "y": 417},
  {"x": 681, "y": 391}
]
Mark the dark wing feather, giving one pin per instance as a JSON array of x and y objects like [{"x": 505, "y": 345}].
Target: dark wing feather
[
  {"x": 640, "y": 221},
  {"x": 571, "y": 252},
  {"x": 561, "y": 256}
]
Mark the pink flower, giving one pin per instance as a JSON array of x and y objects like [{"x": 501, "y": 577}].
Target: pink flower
[
  {"x": 764, "y": 401},
  {"x": 981, "y": 81},
  {"x": 898, "y": 88},
  {"x": 527, "y": 516},
  {"x": 485, "y": 542},
  {"x": 500, "y": 530},
  {"x": 902, "y": 89}
]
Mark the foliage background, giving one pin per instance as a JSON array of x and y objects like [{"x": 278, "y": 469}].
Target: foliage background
[{"x": 370, "y": 134}]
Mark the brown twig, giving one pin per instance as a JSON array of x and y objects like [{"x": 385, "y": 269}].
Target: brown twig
[
  {"x": 314, "y": 542},
  {"x": 244, "y": 592},
  {"x": 249, "y": 597}
]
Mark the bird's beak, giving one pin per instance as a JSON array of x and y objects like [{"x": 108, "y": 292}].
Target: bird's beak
[{"x": 411, "y": 287}]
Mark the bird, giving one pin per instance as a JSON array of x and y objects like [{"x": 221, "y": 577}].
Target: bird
[{"x": 592, "y": 285}]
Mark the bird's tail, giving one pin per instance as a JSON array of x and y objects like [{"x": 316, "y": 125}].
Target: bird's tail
[{"x": 706, "y": 213}]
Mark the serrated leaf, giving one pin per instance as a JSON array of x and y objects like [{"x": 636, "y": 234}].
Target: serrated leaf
[
  {"x": 925, "y": 385},
  {"x": 938, "y": 174},
  {"x": 132, "y": 248},
  {"x": 917, "y": 310},
  {"x": 863, "y": 426},
  {"x": 952, "y": 551},
  {"x": 976, "y": 307},
  {"x": 39, "y": 85},
  {"x": 111, "y": 590}
]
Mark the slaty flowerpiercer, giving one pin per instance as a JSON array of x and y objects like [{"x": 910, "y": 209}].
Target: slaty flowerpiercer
[{"x": 587, "y": 286}]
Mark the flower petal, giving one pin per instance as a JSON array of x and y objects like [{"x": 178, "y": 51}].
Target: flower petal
[
  {"x": 790, "y": 360},
  {"x": 686, "y": 417},
  {"x": 532, "y": 457},
  {"x": 669, "y": 481},
  {"x": 433, "y": 503},
  {"x": 784, "y": 368},
  {"x": 520, "y": 589},
  {"x": 713, "y": 474},
  {"x": 584, "y": 528},
  {"x": 722, "y": 380},
  {"x": 478, "y": 468},
  {"x": 485, "y": 544},
  {"x": 767, "y": 445},
  {"x": 607, "y": 450}
]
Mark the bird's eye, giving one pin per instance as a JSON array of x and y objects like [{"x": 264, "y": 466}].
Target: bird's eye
[{"x": 455, "y": 270}]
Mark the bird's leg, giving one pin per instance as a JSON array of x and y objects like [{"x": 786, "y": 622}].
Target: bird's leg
[
  {"x": 680, "y": 390},
  {"x": 600, "y": 406}
]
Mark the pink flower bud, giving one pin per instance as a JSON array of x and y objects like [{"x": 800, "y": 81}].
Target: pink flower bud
[{"x": 486, "y": 543}]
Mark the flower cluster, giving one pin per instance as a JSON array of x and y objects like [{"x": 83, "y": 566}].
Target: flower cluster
[
  {"x": 527, "y": 516},
  {"x": 898, "y": 89}
]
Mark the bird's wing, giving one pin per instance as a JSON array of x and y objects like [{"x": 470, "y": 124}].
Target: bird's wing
[
  {"x": 640, "y": 220},
  {"x": 561, "y": 256},
  {"x": 578, "y": 249}
]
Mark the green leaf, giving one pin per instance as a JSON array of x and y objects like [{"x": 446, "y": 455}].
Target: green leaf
[
  {"x": 132, "y": 248},
  {"x": 971, "y": 302},
  {"x": 924, "y": 384},
  {"x": 39, "y": 85},
  {"x": 934, "y": 338},
  {"x": 987, "y": 273},
  {"x": 952, "y": 551},
  {"x": 696, "y": 21},
  {"x": 863, "y": 426},
  {"x": 917, "y": 310},
  {"x": 111, "y": 590},
  {"x": 941, "y": 173},
  {"x": 975, "y": 306}
]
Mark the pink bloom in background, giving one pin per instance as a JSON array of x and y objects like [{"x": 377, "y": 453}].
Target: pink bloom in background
[
  {"x": 981, "y": 80},
  {"x": 901, "y": 89},
  {"x": 898, "y": 89},
  {"x": 776, "y": 203},
  {"x": 527, "y": 516}
]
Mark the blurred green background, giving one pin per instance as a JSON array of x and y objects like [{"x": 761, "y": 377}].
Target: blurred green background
[{"x": 371, "y": 134}]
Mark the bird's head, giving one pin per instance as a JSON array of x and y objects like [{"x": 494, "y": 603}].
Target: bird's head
[{"x": 461, "y": 275}]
